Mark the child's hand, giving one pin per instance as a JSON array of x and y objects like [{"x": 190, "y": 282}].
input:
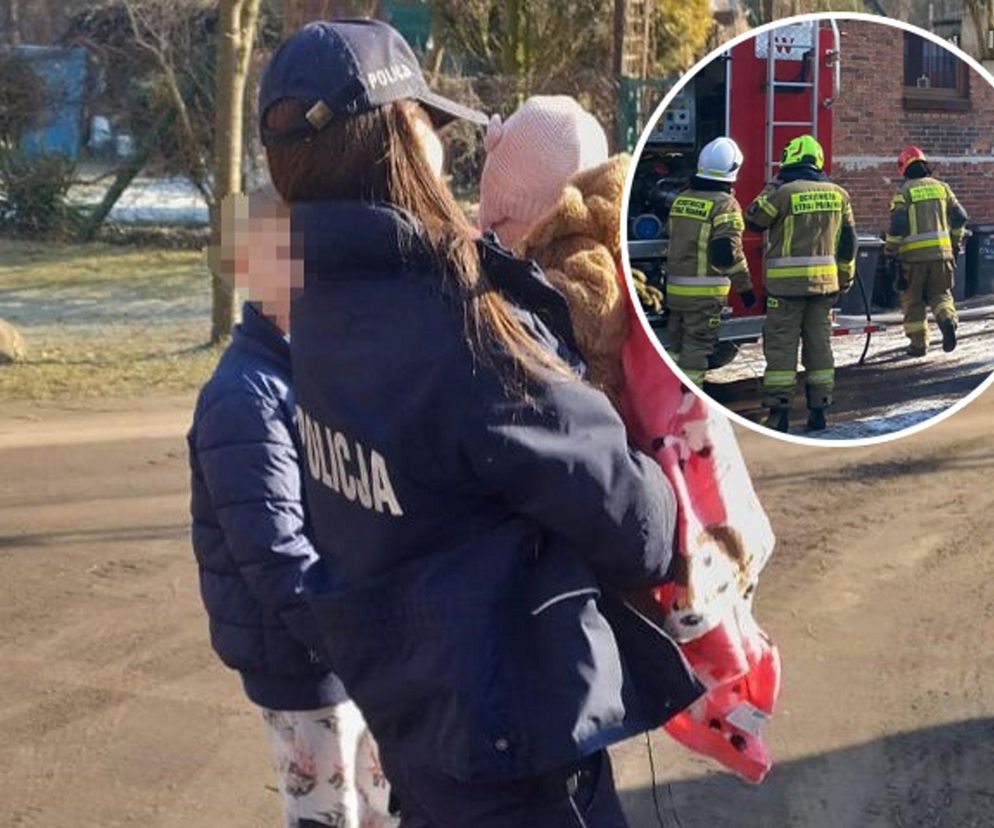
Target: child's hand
[{"x": 650, "y": 296}]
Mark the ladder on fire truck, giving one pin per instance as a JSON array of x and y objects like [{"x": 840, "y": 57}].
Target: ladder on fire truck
[{"x": 814, "y": 84}]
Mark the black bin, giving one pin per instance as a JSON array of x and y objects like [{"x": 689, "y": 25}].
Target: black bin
[
  {"x": 979, "y": 276},
  {"x": 962, "y": 282},
  {"x": 867, "y": 259}
]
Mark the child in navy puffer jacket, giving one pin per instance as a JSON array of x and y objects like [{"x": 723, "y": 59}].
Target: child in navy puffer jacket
[{"x": 249, "y": 536}]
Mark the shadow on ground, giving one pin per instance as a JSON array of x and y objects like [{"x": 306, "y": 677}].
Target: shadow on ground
[{"x": 939, "y": 777}]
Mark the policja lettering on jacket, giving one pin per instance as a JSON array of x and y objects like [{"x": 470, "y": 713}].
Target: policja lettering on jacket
[{"x": 330, "y": 460}]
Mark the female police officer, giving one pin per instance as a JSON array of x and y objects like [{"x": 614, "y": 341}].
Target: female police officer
[{"x": 475, "y": 504}]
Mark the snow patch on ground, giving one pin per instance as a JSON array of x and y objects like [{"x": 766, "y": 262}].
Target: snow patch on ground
[
  {"x": 929, "y": 385},
  {"x": 161, "y": 201},
  {"x": 890, "y": 423}
]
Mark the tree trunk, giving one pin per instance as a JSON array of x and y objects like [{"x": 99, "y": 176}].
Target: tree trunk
[
  {"x": 294, "y": 15},
  {"x": 982, "y": 19},
  {"x": 297, "y": 13},
  {"x": 236, "y": 34},
  {"x": 14, "y": 18},
  {"x": 125, "y": 176}
]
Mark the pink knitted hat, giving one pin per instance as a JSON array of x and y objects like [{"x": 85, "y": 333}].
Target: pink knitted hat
[{"x": 531, "y": 157}]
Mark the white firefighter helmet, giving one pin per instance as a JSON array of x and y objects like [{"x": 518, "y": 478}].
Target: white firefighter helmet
[{"x": 720, "y": 160}]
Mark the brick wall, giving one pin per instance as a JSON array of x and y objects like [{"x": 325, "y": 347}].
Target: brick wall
[{"x": 872, "y": 126}]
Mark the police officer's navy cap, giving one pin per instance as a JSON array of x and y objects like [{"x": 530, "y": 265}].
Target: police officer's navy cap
[{"x": 341, "y": 68}]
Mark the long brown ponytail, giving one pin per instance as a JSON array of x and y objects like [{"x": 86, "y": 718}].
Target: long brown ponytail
[{"x": 376, "y": 157}]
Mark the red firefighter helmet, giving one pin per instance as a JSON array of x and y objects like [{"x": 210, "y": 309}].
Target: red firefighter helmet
[{"x": 908, "y": 155}]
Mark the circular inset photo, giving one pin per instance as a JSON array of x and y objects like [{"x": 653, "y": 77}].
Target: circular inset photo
[{"x": 810, "y": 228}]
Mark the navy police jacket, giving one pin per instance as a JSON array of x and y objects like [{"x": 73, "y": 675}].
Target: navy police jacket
[
  {"x": 248, "y": 523},
  {"x": 474, "y": 545}
]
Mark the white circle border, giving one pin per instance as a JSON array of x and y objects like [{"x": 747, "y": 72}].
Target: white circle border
[{"x": 685, "y": 79}]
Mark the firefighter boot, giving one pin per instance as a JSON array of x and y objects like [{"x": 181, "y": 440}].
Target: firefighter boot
[
  {"x": 948, "y": 328},
  {"x": 778, "y": 420},
  {"x": 816, "y": 420}
]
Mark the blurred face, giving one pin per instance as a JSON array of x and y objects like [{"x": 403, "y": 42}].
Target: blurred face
[{"x": 256, "y": 252}]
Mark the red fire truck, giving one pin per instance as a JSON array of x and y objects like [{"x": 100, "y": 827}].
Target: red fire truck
[{"x": 762, "y": 92}]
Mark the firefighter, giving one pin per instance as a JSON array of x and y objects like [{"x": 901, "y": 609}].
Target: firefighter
[
  {"x": 705, "y": 258},
  {"x": 810, "y": 257},
  {"x": 927, "y": 225}
]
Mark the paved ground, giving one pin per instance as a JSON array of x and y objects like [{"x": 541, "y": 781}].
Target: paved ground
[
  {"x": 890, "y": 392},
  {"x": 113, "y": 711}
]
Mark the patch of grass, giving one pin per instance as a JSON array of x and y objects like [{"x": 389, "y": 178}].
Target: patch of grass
[
  {"x": 101, "y": 320},
  {"x": 100, "y": 269}
]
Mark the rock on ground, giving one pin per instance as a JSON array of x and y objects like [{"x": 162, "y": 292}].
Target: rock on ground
[{"x": 12, "y": 347}]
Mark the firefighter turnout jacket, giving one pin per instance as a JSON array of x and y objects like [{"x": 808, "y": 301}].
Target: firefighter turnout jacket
[
  {"x": 811, "y": 249},
  {"x": 927, "y": 222},
  {"x": 705, "y": 254}
]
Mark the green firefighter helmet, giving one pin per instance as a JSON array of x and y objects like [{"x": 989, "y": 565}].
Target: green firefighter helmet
[{"x": 803, "y": 148}]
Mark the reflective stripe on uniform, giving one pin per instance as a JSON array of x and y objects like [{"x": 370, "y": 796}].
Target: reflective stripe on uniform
[
  {"x": 698, "y": 285},
  {"x": 766, "y": 206},
  {"x": 825, "y": 376},
  {"x": 779, "y": 379},
  {"x": 845, "y": 268},
  {"x": 800, "y": 261},
  {"x": 696, "y": 377},
  {"x": 787, "y": 267},
  {"x": 739, "y": 267},
  {"x": 732, "y": 218},
  {"x": 919, "y": 241},
  {"x": 703, "y": 237},
  {"x": 944, "y": 307},
  {"x": 788, "y": 235},
  {"x": 795, "y": 272},
  {"x": 915, "y": 327}
]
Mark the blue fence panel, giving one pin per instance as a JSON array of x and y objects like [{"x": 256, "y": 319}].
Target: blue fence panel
[{"x": 64, "y": 73}]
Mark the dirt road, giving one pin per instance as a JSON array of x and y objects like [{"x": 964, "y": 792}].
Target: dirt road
[{"x": 113, "y": 711}]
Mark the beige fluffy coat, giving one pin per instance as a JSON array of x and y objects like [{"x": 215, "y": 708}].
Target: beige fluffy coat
[{"x": 578, "y": 245}]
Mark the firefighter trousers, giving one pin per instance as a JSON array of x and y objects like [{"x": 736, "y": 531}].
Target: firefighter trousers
[
  {"x": 692, "y": 333},
  {"x": 929, "y": 285},
  {"x": 793, "y": 320}
]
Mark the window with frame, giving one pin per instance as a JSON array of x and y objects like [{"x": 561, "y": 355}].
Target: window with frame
[{"x": 934, "y": 78}]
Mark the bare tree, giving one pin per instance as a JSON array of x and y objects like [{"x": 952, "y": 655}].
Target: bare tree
[
  {"x": 297, "y": 13},
  {"x": 164, "y": 29},
  {"x": 980, "y": 14},
  {"x": 236, "y": 36},
  {"x": 527, "y": 44},
  {"x": 10, "y": 17},
  {"x": 768, "y": 10}
]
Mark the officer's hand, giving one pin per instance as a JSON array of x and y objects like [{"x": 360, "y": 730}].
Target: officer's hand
[
  {"x": 846, "y": 287},
  {"x": 748, "y": 298}
]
